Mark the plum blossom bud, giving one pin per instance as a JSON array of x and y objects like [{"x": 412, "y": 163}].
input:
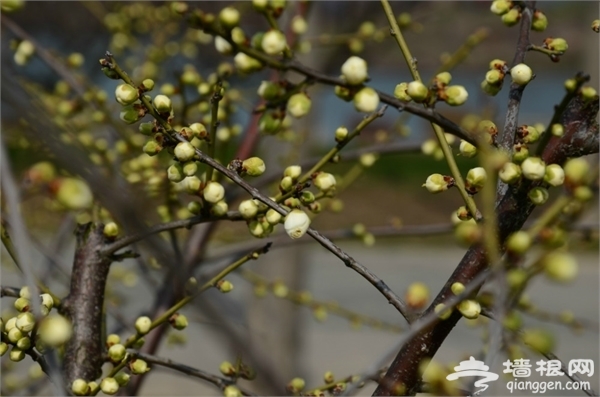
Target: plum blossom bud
[
  {"x": 366, "y": 100},
  {"x": 576, "y": 170},
  {"x": 80, "y": 387},
  {"x": 273, "y": 42},
  {"x": 500, "y": 7},
  {"x": 248, "y": 209},
  {"x": 510, "y": 173},
  {"x": 273, "y": 217},
  {"x": 296, "y": 223},
  {"x": 254, "y": 166},
  {"x": 469, "y": 308},
  {"x": 512, "y": 17},
  {"x": 475, "y": 180},
  {"x": 521, "y": 74},
  {"x": 417, "y": 91},
  {"x": 324, "y": 181},
  {"x": 125, "y": 94},
  {"x": 213, "y": 192},
  {"x": 162, "y": 103},
  {"x": 229, "y": 17},
  {"x": 299, "y": 105},
  {"x": 184, "y": 151},
  {"x": 354, "y": 70},
  {"x": 400, "y": 92},
  {"x": 437, "y": 183},
  {"x": 142, "y": 325},
  {"x": 538, "y": 195},
  {"x": 539, "y": 22},
  {"x": 560, "y": 266},
  {"x": 533, "y": 168},
  {"x": 222, "y": 45},
  {"x": 555, "y": 175},
  {"x": 456, "y": 95},
  {"x": 518, "y": 242},
  {"x": 341, "y": 134},
  {"x": 467, "y": 149}
]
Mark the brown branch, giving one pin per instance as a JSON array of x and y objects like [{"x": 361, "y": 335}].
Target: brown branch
[
  {"x": 84, "y": 306},
  {"x": 581, "y": 136}
]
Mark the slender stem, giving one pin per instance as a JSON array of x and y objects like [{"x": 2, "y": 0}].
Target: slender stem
[
  {"x": 439, "y": 132},
  {"x": 214, "y": 123}
]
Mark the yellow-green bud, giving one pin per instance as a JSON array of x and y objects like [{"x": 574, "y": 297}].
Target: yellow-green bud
[
  {"x": 366, "y": 100},
  {"x": 148, "y": 85},
  {"x": 213, "y": 192},
  {"x": 80, "y": 387},
  {"x": 576, "y": 170},
  {"x": 152, "y": 148},
  {"x": 126, "y": 94},
  {"x": 189, "y": 168},
  {"x": 539, "y": 22},
  {"x": 457, "y": 288},
  {"x": 466, "y": 149},
  {"x": 55, "y": 330},
  {"x": 442, "y": 311},
  {"x": 529, "y": 133},
  {"x": 14, "y": 335},
  {"x": 225, "y": 286},
  {"x": 109, "y": 386},
  {"x": 122, "y": 378},
  {"x": 245, "y": 63},
  {"x": 400, "y": 92},
  {"x": 556, "y": 44},
  {"x": 444, "y": 78},
  {"x": 520, "y": 153},
  {"x": 490, "y": 89},
  {"x": 112, "y": 339},
  {"x": 178, "y": 321},
  {"x": 518, "y": 242},
  {"x": 583, "y": 193},
  {"x": 296, "y": 223},
  {"x": 254, "y": 166},
  {"x": 354, "y": 70},
  {"x": 538, "y": 195},
  {"x": 273, "y": 42},
  {"x": 25, "y": 322},
  {"x": 467, "y": 233},
  {"x": 219, "y": 209},
  {"x": 248, "y": 209},
  {"x": 270, "y": 90},
  {"x": 138, "y": 367},
  {"x": 557, "y": 130},
  {"x": 142, "y": 325},
  {"x": 273, "y": 217},
  {"x": 469, "y": 309},
  {"x": 227, "y": 369},
  {"x": 162, "y": 103},
  {"x": 533, "y": 168},
  {"x": 116, "y": 353},
  {"x": 184, "y": 151},
  {"x": 494, "y": 77},
  {"x": 192, "y": 184},
  {"x": 129, "y": 115},
  {"x": 341, "y": 133},
  {"x": 500, "y": 7},
  {"x": 111, "y": 230},
  {"x": 538, "y": 339},
  {"x": 229, "y": 17},
  {"x": 296, "y": 385},
  {"x": 560, "y": 266},
  {"x": 367, "y": 159},
  {"x": 222, "y": 46},
  {"x": 9, "y": 6},
  {"x": 16, "y": 354},
  {"x": 22, "y": 304},
  {"x": 596, "y": 25},
  {"x": 456, "y": 95},
  {"x": 232, "y": 391},
  {"x": 512, "y": 17},
  {"x": 417, "y": 91},
  {"x": 324, "y": 181},
  {"x": 521, "y": 74},
  {"x": 588, "y": 93},
  {"x": 555, "y": 175},
  {"x": 437, "y": 183},
  {"x": 417, "y": 295},
  {"x": 146, "y": 128},
  {"x": 475, "y": 180}
]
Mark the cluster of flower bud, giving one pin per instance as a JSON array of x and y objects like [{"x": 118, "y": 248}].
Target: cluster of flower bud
[
  {"x": 23, "y": 332},
  {"x": 494, "y": 78}
]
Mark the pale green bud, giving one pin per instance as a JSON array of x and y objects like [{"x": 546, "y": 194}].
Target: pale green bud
[
  {"x": 213, "y": 192},
  {"x": 354, "y": 70},
  {"x": 366, "y": 100},
  {"x": 126, "y": 95},
  {"x": 521, "y": 74}
]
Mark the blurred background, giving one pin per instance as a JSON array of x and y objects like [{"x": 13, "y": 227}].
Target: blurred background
[{"x": 411, "y": 229}]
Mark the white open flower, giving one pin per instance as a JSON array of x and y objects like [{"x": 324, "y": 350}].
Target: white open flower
[
  {"x": 296, "y": 223},
  {"x": 214, "y": 192},
  {"x": 354, "y": 70}
]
